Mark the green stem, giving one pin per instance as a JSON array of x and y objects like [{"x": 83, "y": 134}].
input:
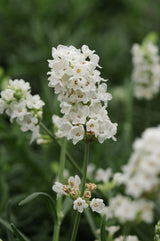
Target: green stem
[
  {"x": 129, "y": 114},
  {"x": 59, "y": 143},
  {"x": 78, "y": 215},
  {"x": 69, "y": 157},
  {"x": 59, "y": 201},
  {"x": 85, "y": 164}
]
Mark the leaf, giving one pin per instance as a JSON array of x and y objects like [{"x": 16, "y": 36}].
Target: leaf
[
  {"x": 14, "y": 230},
  {"x": 18, "y": 233},
  {"x": 66, "y": 206},
  {"x": 48, "y": 199},
  {"x": 5, "y": 224},
  {"x": 103, "y": 230}
]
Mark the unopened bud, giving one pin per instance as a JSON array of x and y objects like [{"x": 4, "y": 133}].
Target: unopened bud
[
  {"x": 87, "y": 194},
  {"x": 91, "y": 186}
]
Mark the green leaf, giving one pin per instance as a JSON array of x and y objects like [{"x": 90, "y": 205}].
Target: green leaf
[
  {"x": 14, "y": 230},
  {"x": 90, "y": 220},
  {"x": 103, "y": 230},
  {"x": 5, "y": 224},
  {"x": 51, "y": 203},
  {"x": 66, "y": 206},
  {"x": 18, "y": 233}
]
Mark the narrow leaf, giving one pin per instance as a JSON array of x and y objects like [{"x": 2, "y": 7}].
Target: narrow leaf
[
  {"x": 66, "y": 206},
  {"x": 47, "y": 198},
  {"x": 103, "y": 230},
  {"x": 19, "y": 234},
  {"x": 5, "y": 224}
]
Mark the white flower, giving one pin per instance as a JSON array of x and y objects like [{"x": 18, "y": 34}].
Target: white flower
[
  {"x": 19, "y": 84},
  {"x": 7, "y": 95},
  {"x": 79, "y": 116},
  {"x": 97, "y": 205},
  {"x": 141, "y": 173},
  {"x": 146, "y": 70},
  {"x": 128, "y": 238},
  {"x": 92, "y": 126},
  {"x": 65, "y": 108},
  {"x": 58, "y": 188},
  {"x": 34, "y": 101},
  {"x": 3, "y": 106},
  {"x": 22, "y": 106},
  {"x": 127, "y": 210},
  {"x": 63, "y": 125},
  {"x": 28, "y": 123},
  {"x": 74, "y": 181},
  {"x": 90, "y": 169},
  {"x": 107, "y": 130},
  {"x": 103, "y": 175},
  {"x": 80, "y": 205},
  {"x": 18, "y": 110},
  {"x": 112, "y": 229},
  {"x": 76, "y": 133}
]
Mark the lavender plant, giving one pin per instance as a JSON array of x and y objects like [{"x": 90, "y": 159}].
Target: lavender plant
[{"x": 83, "y": 97}]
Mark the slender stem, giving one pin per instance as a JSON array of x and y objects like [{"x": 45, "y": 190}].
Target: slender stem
[
  {"x": 85, "y": 164},
  {"x": 74, "y": 164},
  {"x": 147, "y": 113},
  {"x": 129, "y": 114},
  {"x": 59, "y": 143},
  {"x": 47, "y": 131},
  {"x": 78, "y": 215},
  {"x": 69, "y": 157},
  {"x": 59, "y": 201},
  {"x": 76, "y": 225}
]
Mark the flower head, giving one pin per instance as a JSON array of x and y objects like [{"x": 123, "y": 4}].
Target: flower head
[
  {"x": 146, "y": 70},
  {"x": 141, "y": 173},
  {"x": 18, "y": 103},
  {"x": 82, "y": 94}
]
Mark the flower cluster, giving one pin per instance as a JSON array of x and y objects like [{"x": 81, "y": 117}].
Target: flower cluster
[
  {"x": 19, "y": 104},
  {"x": 141, "y": 174},
  {"x": 82, "y": 93},
  {"x": 126, "y": 210},
  {"x": 73, "y": 192},
  {"x": 146, "y": 70},
  {"x": 99, "y": 174},
  {"x": 103, "y": 175},
  {"x": 128, "y": 238}
]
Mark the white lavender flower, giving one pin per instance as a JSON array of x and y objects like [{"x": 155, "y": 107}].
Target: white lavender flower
[
  {"x": 146, "y": 70},
  {"x": 83, "y": 201},
  {"x": 112, "y": 229},
  {"x": 18, "y": 103},
  {"x": 103, "y": 175},
  {"x": 128, "y": 238},
  {"x": 127, "y": 210},
  {"x": 58, "y": 188},
  {"x": 97, "y": 205},
  {"x": 82, "y": 94},
  {"x": 141, "y": 174},
  {"x": 74, "y": 181},
  {"x": 80, "y": 205}
]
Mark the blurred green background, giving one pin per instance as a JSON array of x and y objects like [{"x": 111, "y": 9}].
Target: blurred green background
[{"x": 28, "y": 31}]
